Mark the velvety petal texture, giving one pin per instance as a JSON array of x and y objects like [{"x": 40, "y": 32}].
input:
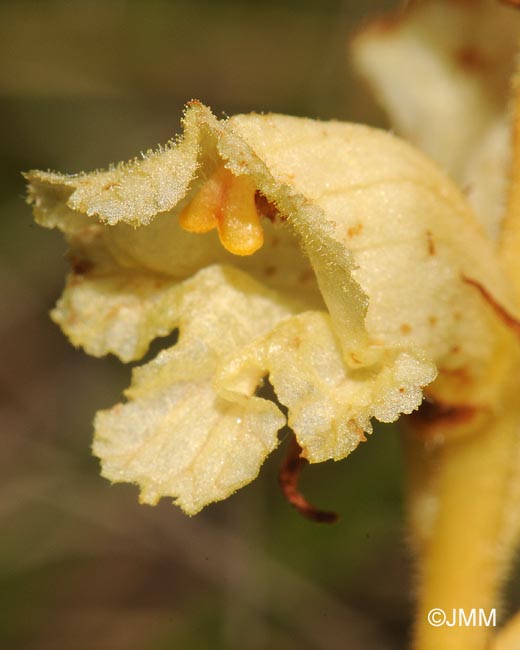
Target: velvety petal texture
[
  {"x": 325, "y": 256},
  {"x": 178, "y": 435}
]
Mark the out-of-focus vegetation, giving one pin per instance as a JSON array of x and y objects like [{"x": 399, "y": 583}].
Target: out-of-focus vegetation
[{"x": 82, "y": 565}]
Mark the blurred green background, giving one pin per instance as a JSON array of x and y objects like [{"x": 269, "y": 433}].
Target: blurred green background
[{"x": 82, "y": 565}]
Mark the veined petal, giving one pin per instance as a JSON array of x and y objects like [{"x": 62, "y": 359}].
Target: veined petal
[
  {"x": 355, "y": 222},
  {"x": 177, "y": 435},
  {"x": 344, "y": 191},
  {"x": 391, "y": 223},
  {"x": 119, "y": 313}
]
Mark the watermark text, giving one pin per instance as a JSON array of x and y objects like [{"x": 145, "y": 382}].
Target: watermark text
[{"x": 459, "y": 617}]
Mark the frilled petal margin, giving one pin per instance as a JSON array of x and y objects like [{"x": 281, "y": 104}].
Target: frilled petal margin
[
  {"x": 357, "y": 298},
  {"x": 193, "y": 427},
  {"x": 181, "y": 434}
]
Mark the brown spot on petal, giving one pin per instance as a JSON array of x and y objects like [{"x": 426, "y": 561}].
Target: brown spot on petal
[
  {"x": 270, "y": 271},
  {"x": 405, "y": 328},
  {"x": 110, "y": 185},
  {"x": 430, "y": 242},
  {"x": 288, "y": 479},
  {"x": 355, "y": 359},
  {"x": 470, "y": 59},
  {"x": 358, "y": 429},
  {"x": 432, "y": 320},
  {"x": 306, "y": 276},
  {"x": 353, "y": 231},
  {"x": 265, "y": 208},
  {"x": 80, "y": 265}
]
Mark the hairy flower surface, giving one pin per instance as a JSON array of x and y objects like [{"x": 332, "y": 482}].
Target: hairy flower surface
[
  {"x": 346, "y": 268},
  {"x": 332, "y": 258}
]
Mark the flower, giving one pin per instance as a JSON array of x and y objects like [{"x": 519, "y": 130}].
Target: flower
[
  {"x": 325, "y": 256},
  {"x": 345, "y": 267}
]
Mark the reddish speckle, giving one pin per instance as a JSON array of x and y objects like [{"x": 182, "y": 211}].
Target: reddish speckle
[
  {"x": 359, "y": 430},
  {"x": 470, "y": 59},
  {"x": 80, "y": 265},
  {"x": 296, "y": 342},
  {"x": 270, "y": 271},
  {"x": 109, "y": 186},
  {"x": 353, "y": 231},
  {"x": 430, "y": 243},
  {"x": 267, "y": 209},
  {"x": 306, "y": 276}
]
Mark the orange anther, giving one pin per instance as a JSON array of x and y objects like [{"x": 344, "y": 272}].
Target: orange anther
[
  {"x": 239, "y": 226},
  {"x": 226, "y": 202},
  {"x": 201, "y": 214}
]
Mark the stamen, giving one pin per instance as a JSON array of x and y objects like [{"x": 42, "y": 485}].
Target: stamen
[
  {"x": 288, "y": 479},
  {"x": 201, "y": 214},
  {"x": 226, "y": 202},
  {"x": 239, "y": 227}
]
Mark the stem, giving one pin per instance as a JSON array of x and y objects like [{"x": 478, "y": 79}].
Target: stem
[{"x": 459, "y": 494}]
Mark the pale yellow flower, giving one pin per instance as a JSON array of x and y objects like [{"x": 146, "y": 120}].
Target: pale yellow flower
[
  {"x": 343, "y": 265},
  {"x": 350, "y": 299}
]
